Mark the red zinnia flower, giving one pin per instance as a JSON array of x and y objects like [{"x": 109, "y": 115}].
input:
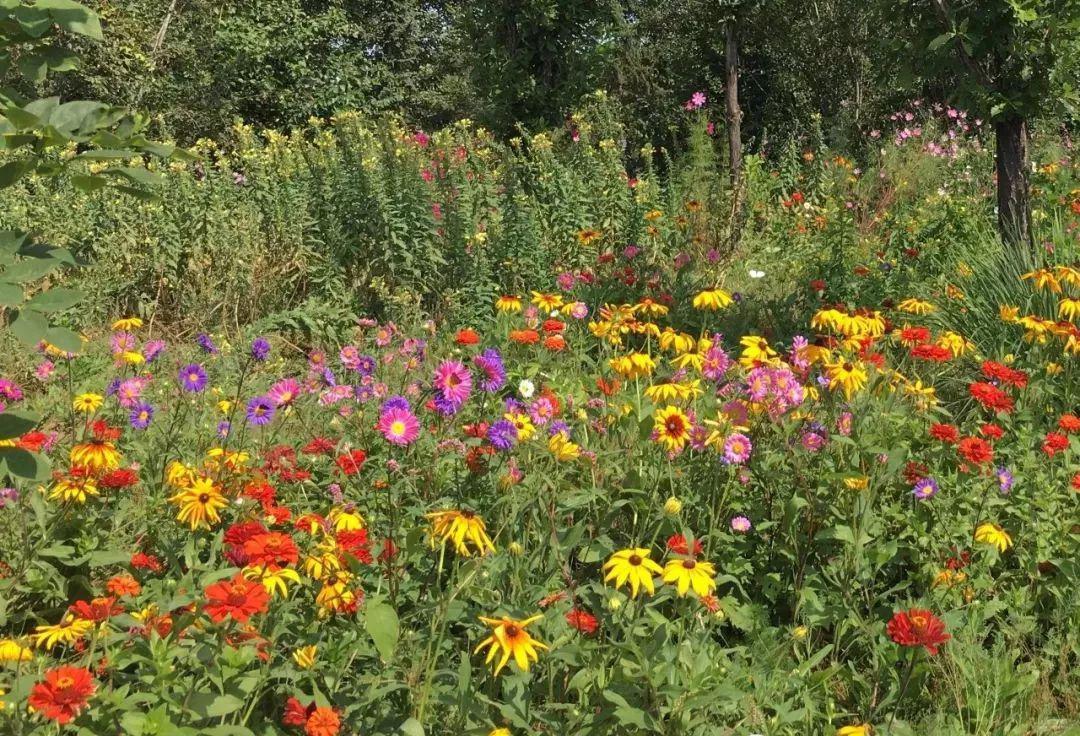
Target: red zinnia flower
[
  {"x": 677, "y": 544},
  {"x": 96, "y": 610},
  {"x": 272, "y": 549},
  {"x": 1069, "y": 423},
  {"x": 296, "y": 713},
  {"x": 1076, "y": 482},
  {"x": 935, "y": 353},
  {"x": 944, "y": 433},
  {"x": 581, "y": 620},
  {"x": 467, "y": 336},
  {"x": 119, "y": 478},
  {"x": 1054, "y": 443},
  {"x": 990, "y": 396},
  {"x": 237, "y": 597},
  {"x": 355, "y": 543},
  {"x": 351, "y": 462},
  {"x": 318, "y": 446},
  {"x": 63, "y": 694},
  {"x": 975, "y": 450},
  {"x": 553, "y": 325},
  {"x": 992, "y": 431},
  {"x": 914, "y": 472},
  {"x": 1004, "y": 373},
  {"x": 912, "y": 336},
  {"x": 144, "y": 561},
  {"x": 917, "y": 627}
]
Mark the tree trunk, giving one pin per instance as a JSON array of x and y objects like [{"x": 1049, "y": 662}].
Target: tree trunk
[
  {"x": 731, "y": 102},
  {"x": 1011, "y": 163}
]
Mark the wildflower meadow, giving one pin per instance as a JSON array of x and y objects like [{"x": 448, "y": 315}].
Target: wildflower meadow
[{"x": 365, "y": 426}]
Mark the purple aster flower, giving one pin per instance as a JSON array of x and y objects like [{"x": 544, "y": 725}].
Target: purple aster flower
[
  {"x": 558, "y": 427},
  {"x": 446, "y": 407},
  {"x": 192, "y": 378},
  {"x": 223, "y": 429},
  {"x": 260, "y": 411},
  {"x": 365, "y": 365},
  {"x": 205, "y": 342},
  {"x": 395, "y": 402},
  {"x": 260, "y": 349},
  {"x": 153, "y": 349},
  {"x": 741, "y": 524},
  {"x": 8, "y": 497},
  {"x": 502, "y": 434},
  {"x": 129, "y": 391},
  {"x": 490, "y": 365},
  {"x": 120, "y": 342},
  {"x": 364, "y": 393},
  {"x": 113, "y": 387},
  {"x": 9, "y": 390},
  {"x": 925, "y": 488},
  {"x": 1005, "y": 480},
  {"x": 141, "y": 415}
]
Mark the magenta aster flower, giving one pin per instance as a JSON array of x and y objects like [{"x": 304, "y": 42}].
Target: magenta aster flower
[
  {"x": 284, "y": 392},
  {"x": 741, "y": 524},
  {"x": 399, "y": 426},
  {"x": 453, "y": 382}
]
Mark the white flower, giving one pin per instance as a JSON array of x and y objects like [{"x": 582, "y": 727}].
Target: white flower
[
  {"x": 755, "y": 274},
  {"x": 526, "y": 388}
]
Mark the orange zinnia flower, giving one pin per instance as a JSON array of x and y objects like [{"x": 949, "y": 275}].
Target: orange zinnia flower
[
  {"x": 237, "y": 597},
  {"x": 555, "y": 343},
  {"x": 123, "y": 585},
  {"x": 525, "y": 337},
  {"x": 63, "y": 694}
]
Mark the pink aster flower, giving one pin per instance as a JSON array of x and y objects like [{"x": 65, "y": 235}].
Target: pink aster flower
[
  {"x": 453, "y": 381},
  {"x": 399, "y": 426}
]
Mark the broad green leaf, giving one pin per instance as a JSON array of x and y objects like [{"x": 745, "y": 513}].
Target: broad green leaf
[
  {"x": 56, "y": 299},
  {"x": 64, "y": 339},
  {"x": 88, "y": 183},
  {"x": 30, "y": 327},
  {"x": 382, "y": 624},
  {"x": 73, "y": 17},
  {"x": 11, "y": 295},
  {"x": 412, "y": 727},
  {"x": 25, "y": 464},
  {"x": 15, "y": 424},
  {"x": 12, "y": 171},
  {"x": 28, "y": 269}
]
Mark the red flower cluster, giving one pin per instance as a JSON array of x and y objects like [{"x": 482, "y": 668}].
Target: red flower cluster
[
  {"x": 315, "y": 721},
  {"x": 934, "y": 353},
  {"x": 917, "y": 627},
  {"x": 990, "y": 396},
  {"x": 975, "y": 450},
  {"x": 351, "y": 462},
  {"x": 1004, "y": 374},
  {"x": 913, "y": 336},
  {"x": 944, "y": 433},
  {"x": 582, "y": 620},
  {"x": 1069, "y": 423},
  {"x": 1054, "y": 443},
  {"x": 677, "y": 543},
  {"x": 991, "y": 431},
  {"x": 467, "y": 336}
]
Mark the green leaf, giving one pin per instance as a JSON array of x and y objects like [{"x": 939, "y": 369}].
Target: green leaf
[
  {"x": 15, "y": 424},
  {"x": 11, "y": 295},
  {"x": 20, "y": 118},
  {"x": 12, "y": 171},
  {"x": 382, "y": 624},
  {"x": 940, "y": 41},
  {"x": 25, "y": 464},
  {"x": 73, "y": 17},
  {"x": 412, "y": 727},
  {"x": 64, "y": 339},
  {"x": 73, "y": 116},
  {"x": 212, "y": 705},
  {"x": 88, "y": 183},
  {"x": 29, "y": 269},
  {"x": 29, "y": 327},
  {"x": 55, "y": 300}
]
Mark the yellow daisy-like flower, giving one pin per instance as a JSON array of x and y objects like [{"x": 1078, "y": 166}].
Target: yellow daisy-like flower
[
  {"x": 861, "y": 729},
  {"x": 97, "y": 456},
  {"x": 756, "y": 351},
  {"x": 857, "y": 482},
  {"x": 68, "y": 631},
  {"x": 955, "y": 343},
  {"x": 13, "y": 651},
  {"x": 632, "y": 566},
  {"x": 74, "y": 489},
  {"x": 179, "y": 475},
  {"x": 562, "y": 448},
  {"x": 508, "y": 303},
  {"x": 276, "y": 582},
  {"x": 712, "y": 299},
  {"x": 499, "y": 732},
  {"x": 336, "y": 594},
  {"x": 127, "y": 324},
  {"x": 324, "y": 560},
  {"x": 1044, "y": 280},
  {"x": 989, "y": 533},
  {"x": 88, "y": 403},
  {"x": 651, "y": 308},
  {"x": 672, "y": 427},
  {"x": 462, "y": 528},
  {"x": 346, "y": 520},
  {"x": 1069, "y": 308},
  {"x": 634, "y": 365},
  {"x": 547, "y": 302},
  {"x": 522, "y": 423},
  {"x": 916, "y": 306},
  {"x": 948, "y": 578},
  {"x": 199, "y": 504},
  {"x": 690, "y": 574},
  {"x": 305, "y": 656},
  {"x": 1007, "y": 313},
  {"x": 132, "y": 357},
  {"x": 680, "y": 342},
  {"x": 849, "y": 376},
  {"x": 510, "y": 638}
]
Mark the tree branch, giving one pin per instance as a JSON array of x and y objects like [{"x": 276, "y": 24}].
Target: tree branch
[{"x": 980, "y": 76}]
